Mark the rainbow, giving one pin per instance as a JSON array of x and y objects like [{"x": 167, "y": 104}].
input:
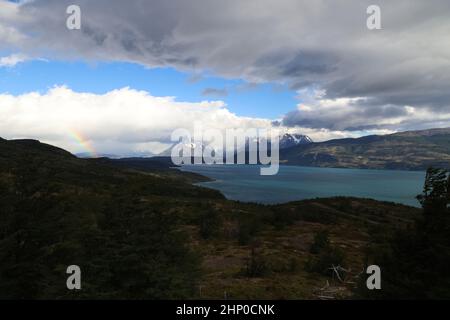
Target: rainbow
[{"x": 85, "y": 143}]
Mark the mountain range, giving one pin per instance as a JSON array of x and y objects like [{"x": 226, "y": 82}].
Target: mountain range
[
  {"x": 289, "y": 140},
  {"x": 286, "y": 140},
  {"x": 410, "y": 150}
]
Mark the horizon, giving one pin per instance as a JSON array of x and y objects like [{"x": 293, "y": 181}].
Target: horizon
[{"x": 95, "y": 154}]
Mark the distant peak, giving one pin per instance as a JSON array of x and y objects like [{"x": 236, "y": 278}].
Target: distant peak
[{"x": 293, "y": 139}]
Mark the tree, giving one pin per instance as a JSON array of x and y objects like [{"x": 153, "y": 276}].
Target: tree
[
  {"x": 415, "y": 261},
  {"x": 436, "y": 192},
  {"x": 321, "y": 241},
  {"x": 210, "y": 223}
]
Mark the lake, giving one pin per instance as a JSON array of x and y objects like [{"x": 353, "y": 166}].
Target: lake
[{"x": 244, "y": 183}]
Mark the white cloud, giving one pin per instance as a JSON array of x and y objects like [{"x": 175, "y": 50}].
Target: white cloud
[
  {"x": 12, "y": 60},
  {"x": 120, "y": 122}
]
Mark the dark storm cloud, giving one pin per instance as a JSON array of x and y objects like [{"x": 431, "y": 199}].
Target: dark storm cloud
[
  {"x": 357, "y": 115},
  {"x": 293, "y": 65},
  {"x": 314, "y": 62},
  {"x": 304, "y": 44}
]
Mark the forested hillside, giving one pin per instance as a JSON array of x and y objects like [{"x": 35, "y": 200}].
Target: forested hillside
[{"x": 145, "y": 232}]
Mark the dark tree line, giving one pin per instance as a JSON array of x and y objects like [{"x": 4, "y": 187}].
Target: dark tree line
[{"x": 415, "y": 262}]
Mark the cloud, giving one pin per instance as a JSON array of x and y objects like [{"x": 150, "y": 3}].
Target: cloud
[
  {"x": 378, "y": 75},
  {"x": 120, "y": 121},
  {"x": 12, "y": 60},
  {"x": 10, "y": 19},
  {"x": 215, "y": 92},
  {"x": 359, "y": 114},
  {"x": 123, "y": 121},
  {"x": 195, "y": 78}
]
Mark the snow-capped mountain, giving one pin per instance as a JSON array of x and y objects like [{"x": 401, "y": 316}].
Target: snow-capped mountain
[
  {"x": 293, "y": 139},
  {"x": 287, "y": 140}
]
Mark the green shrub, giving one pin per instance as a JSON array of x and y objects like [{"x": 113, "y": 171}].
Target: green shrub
[
  {"x": 256, "y": 265},
  {"x": 330, "y": 256},
  {"x": 248, "y": 228},
  {"x": 326, "y": 255},
  {"x": 321, "y": 241},
  {"x": 210, "y": 224}
]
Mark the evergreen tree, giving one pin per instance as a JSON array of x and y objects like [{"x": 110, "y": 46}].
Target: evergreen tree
[{"x": 415, "y": 261}]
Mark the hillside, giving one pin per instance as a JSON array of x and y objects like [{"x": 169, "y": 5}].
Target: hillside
[
  {"x": 149, "y": 233},
  {"x": 412, "y": 150}
]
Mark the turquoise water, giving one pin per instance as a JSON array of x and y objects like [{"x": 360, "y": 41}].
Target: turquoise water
[{"x": 244, "y": 183}]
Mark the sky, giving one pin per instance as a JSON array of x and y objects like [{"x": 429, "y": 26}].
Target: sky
[{"x": 138, "y": 70}]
